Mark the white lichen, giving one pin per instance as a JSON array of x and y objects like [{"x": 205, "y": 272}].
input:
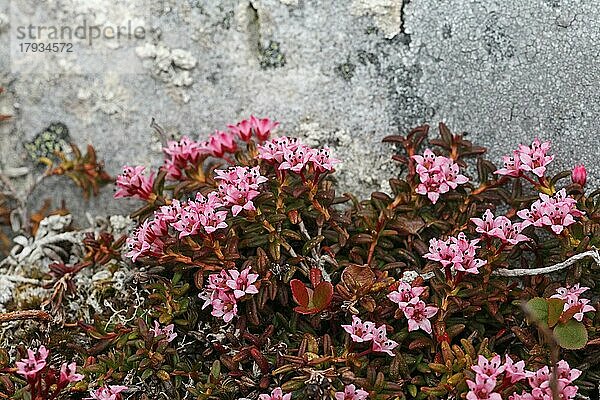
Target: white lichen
[
  {"x": 387, "y": 14},
  {"x": 169, "y": 66}
]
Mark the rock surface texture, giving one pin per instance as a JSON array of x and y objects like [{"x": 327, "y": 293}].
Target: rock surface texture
[{"x": 337, "y": 73}]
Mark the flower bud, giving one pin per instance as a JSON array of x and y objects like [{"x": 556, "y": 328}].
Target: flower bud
[{"x": 579, "y": 175}]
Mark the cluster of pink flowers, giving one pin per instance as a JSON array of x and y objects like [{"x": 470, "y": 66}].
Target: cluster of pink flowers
[
  {"x": 239, "y": 186},
  {"x": 182, "y": 154},
  {"x": 366, "y": 331},
  {"x": 187, "y": 153},
  {"x": 34, "y": 369},
  {"x": 351, "y": 393},
  {"x": 260, "y": 127},
  {"x": 488, "y": 373},
  {"x": 147, "y": 239},
  {"x": 539, "y": 381},
  {"x": 112, "y": 392},
  {"x": 573, "y": 301},
  {"x": 288, "y": 154},
  {"x": 499, "y": 227},
  {"x": 557, "y": 212},
  {"x": 416, "y": 311},
  {"x": 225, "y": 288},
  {"x": 532, "y": 159},
  {"x": 167, "y": 331},
  {"x": 457, "y": 253},
  {"x": 276, "y": 394},
  {"x": 133, "y": 183},
  {"x": 203, "y": 215},
  {"x": 437, "y": 175}
]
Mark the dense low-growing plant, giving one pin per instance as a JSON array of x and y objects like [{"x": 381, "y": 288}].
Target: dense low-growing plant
[{"x": 259, "y": 281}]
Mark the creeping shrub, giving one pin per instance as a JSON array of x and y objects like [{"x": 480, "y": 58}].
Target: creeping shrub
[{"x": 467, "y": 280}]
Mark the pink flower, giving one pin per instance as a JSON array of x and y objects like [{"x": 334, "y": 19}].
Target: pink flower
[
  {"x": 482, "y": 389},
  {"x": 527, "y": 159},
  {"x": 36, "y": 361},
  {"x": 556, "y": 212},
  {"x": 274, "y": 150},
  {"x": 167, "y": 331},
  {"x": 351, "y": 393},
  {"x": 295, "y": 160},
  {"x": 512, "y": 165},
  {"x": 360, "y": 331},
  {"x": 381, "y": 343},
  {"x": 486, "y": 224},
  {"x": 534, "y": 158},
  {"x": 276, "y": 394},
  {"x": 133, "y": 183},
  {"x": 68, "y": 374},
  {"x": 457, "y": 252},
  {"x": 322, "y": 161},
  {"x": 224, "y": 306},
  {"x": 242, "y": 282},
  {"x": 579, "y": 175},
  {"x": 437, "y": 175},
  {"x": 418, "y": 316},
  {"x": 223, "y": 290},
  {"x": 239, "y": 185},
  {"x": 220, "y": 143},
  {"x": 263, "y": 127},
  {"x": 243, "y": 129},
  {"x": 522, "y": 396},
  {"x": 572, "y": 300},
  {"x": 112, "y": 392},
  {"x": 441, "y": 251},
  {"x": 499, "y": 227},
  {"x": 565, "y": 373},
  {"x": 491, "y": 368},
  {"x": 182, "y": 154},
  {"x": 147, "y": 239},
  {"x": 200, "y": 216},
  {"x": 540, "y": 382},
  {"x": 514, "y": 371},
  {"x": 406, "y": 294}
]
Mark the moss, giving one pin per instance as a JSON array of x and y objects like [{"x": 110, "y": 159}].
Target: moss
[{"x": 48, "y": 142}]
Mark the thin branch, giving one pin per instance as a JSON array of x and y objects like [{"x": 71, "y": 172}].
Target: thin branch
[
  {"x": 553, "y": 268},
  {"x": 21, "y": 279},
  {"x": 24, "y": 314}
]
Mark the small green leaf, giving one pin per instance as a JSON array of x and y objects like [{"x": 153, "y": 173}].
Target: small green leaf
[
  {"x": 571, "y": 336},
  {"x": 146, "y": 374},
  {"x": 412, "y": 389},
  {"x": 538, "y": 309}
]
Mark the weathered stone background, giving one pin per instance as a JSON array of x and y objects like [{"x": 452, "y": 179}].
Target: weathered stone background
[{"x": 342, "y": 73}]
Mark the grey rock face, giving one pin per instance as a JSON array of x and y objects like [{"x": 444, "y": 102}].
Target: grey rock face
[{"x": 343, "y": 74}]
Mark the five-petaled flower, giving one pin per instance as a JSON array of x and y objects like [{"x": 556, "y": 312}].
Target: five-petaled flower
[
  {"x": 418, "y": 315},
  {"x": 360, "y": 331},
  {"x": 111, "y": 392},
  {"x": 276, "y": 394},
  {"x": 351, "y": 393},
  {"x": 36, "y": 361},
  {"x": 167, "y": 331}
]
